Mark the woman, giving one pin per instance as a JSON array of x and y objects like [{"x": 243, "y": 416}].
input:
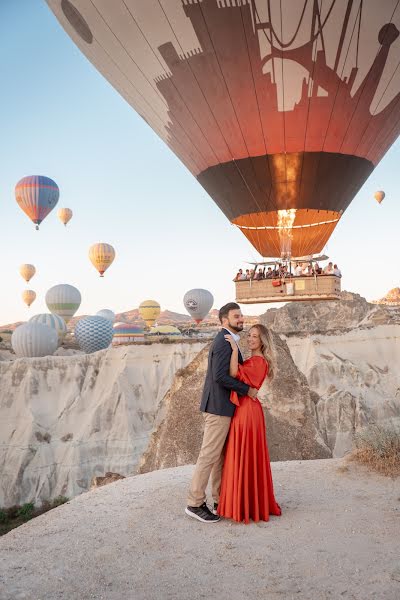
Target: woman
[{"x": 246, "y": 489}]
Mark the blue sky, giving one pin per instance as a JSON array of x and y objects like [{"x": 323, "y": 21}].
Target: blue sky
[{"x": 59, "y": 117}]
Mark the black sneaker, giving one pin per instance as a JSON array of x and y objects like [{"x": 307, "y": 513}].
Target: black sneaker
[
  {"x": 202, "y": 513},
  {"x": 215, "y": 509}
]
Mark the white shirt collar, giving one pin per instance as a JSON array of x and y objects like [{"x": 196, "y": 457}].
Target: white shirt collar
[{"x": 235, "y": 336}]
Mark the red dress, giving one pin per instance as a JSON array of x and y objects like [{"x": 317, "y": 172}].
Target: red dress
[{"x": 246, "y": 490}]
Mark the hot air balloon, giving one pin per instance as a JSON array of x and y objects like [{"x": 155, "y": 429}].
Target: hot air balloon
[
  {"x": 37, "y": 195},
  {"x": 27, "y": 271},
  {"x": 198, "y": 303},
  {"x": 106, "y": 313},
  {"x": 126, "y": 333},
  {"x": 379, "y": 196},
  {"x": 280, "y": 109},
  {"x": 65, "y": 215},
  {"x": 53, "y": 321},
  {"x": 93, "y": 333},
  {"x": 63, "y": 300},
  {"x": 34, "y": 339},
  {"x": 28, "y": 296},
  {"x": 101, "y": 255},
  {"x": 149, "y": 310}
]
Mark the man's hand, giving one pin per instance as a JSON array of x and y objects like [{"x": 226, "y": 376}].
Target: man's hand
[{"x": 252, "y": 393}]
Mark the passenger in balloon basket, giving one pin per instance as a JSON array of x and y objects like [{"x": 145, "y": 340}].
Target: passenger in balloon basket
[{"x": 234, "y": 429}]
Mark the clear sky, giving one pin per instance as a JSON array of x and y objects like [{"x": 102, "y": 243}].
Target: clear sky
[{"x": 60, "y": 118}]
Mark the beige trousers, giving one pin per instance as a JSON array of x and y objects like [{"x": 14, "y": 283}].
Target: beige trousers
[{"x": 210, "y": 460}]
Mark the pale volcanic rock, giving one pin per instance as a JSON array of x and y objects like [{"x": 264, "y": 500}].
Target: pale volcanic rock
[
  {"x": 392, "y": 298},
  {"x": 66, "y": 419}
]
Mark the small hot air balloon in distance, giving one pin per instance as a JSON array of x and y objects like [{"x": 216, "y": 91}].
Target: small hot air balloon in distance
[
  {"x": 149, "y": 310},
  {"x": 379, "y": 196},
  {"x": 101, "y": 256},
  {"x": 106, "y": 313},
  {"x": 28, "y": 296},
  {"x": 198, "y": 303},
  {"x": 64, "y": 300},
  {"x": 53, "y": 321},
  {"x": 27, "y": 271},
  {"x": 37, "y": 195},
  {"x": 65, "y": 215}
]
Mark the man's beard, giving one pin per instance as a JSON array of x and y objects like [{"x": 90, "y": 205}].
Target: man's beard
[{"x": 236, "y": 328}]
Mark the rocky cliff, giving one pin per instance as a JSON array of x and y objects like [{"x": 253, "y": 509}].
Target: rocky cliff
[{"x": 66, "y": 419}]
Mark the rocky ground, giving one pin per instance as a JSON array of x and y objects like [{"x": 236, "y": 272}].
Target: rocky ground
[{"x": 337, "y": 538}]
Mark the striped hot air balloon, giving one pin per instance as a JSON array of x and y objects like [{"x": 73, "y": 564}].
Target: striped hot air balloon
[
  {"x": 27, "y": 271},
  {"x": 34, "y": 339},
  {"x": 65, "y": 215},
  {"x": 53, "y": 321},
  {"x": 149, "y": 311},
  {"x": 37, "y": 195},
  {"x": 63, "y": 300},
  {"x": 101, "y": 256},
  {"x": 28, "y": 296}
]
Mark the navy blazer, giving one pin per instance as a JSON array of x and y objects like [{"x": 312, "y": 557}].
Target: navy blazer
[{"x": 218, "y": 383}]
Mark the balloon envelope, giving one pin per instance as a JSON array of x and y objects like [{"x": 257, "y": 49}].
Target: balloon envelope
[
  {"x": 55, "y": 322},
  {"x": 65, "y": 215},
  {"x": 27, "y": 271},
  {"x": 34, "y": 339},
  {"x": 37, "y": 195},
  {"x": 28, "y": 296},
  {"x": 101, "y": 256},
  {"x": 273, "y": 106},
  {"x": 63, "y": 300},
  {"x": 198, "y": 303},
  {"x": 106, "y": 313},
  {"x": 93, "y": 333},
  {"x": 379, "y": 196},
  {"x": 149, "y": 310}
]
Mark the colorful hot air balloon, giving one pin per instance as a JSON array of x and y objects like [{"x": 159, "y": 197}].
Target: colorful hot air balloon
[
  {"x": 65, "y": 215},
  {"x": 149, "y": 310},
  {"x": 93, "y": 333},
  {"x": 37, "y": 196},
  {"x": 379, "y": 196},
  {"x": 53, "y": 321},
  {"x": 125, "y": 333},
  {"x": 101, "y": 256},
  {"x": 27, "y": 271},
  {"x": 63, "y": 300},
  {"x": 28, "y": 296},
  {"x": 106, "y": 313},
  {"x": 34, "y": 339},
  {"x": 198, "y": 303},
  {"x": 280, "y": 109}
]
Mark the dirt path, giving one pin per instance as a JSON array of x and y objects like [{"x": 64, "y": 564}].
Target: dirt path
[{"x": 338, "y": 538}]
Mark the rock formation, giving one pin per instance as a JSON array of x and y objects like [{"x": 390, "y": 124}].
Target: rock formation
[
  {"x": 392, "y": 298},
  {"x": 65, "y": 419}
]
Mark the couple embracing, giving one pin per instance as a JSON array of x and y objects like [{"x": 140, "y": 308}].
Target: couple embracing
[{"x": 234, "y": 450}]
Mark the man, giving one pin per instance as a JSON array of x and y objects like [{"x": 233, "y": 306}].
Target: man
[
  {"x": 328, "y": 269},
  {"x": 337, "y": 271},
  {"x": 218, "y": 411}
]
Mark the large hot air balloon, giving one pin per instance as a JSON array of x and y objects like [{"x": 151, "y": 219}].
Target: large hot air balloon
[
  {"x": 379, "y": 196},
  {"x": 93, "y": 333},
  {"x": 106, "y": 313},
  {"x": 37, "y": 196},
  {"x": 198, "y": 303},
  {"x": 34, "y": 339},
  {"x": 280, "y": 109},
  {"x": 149, "y": 310},
  {"x": 28, "y": 296},
  {"x": 53, "y": 321},
  {"x": 65, "y": 215},
  {"x": 101, "y": 256},
  {"x": 63, "y": 300},
  {"x": 27, "y": 271}
]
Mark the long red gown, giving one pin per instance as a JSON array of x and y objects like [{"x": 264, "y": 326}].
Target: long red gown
[{"x": 246, "y": 489}]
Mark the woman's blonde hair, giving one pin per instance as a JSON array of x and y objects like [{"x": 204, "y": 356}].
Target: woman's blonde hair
[{"x": 266, "y": 346}]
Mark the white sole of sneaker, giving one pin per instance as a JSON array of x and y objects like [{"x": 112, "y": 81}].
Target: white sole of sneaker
[{"x": 194, "y": 516}]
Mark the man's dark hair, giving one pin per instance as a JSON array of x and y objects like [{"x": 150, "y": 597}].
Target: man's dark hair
[{"x": 224, "y": 310}]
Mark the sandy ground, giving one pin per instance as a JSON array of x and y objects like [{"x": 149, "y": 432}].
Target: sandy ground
[{"x": 338, "y": 537}]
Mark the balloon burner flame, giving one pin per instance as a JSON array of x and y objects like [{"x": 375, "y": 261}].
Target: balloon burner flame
[{"x": 285, "y": 226}]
